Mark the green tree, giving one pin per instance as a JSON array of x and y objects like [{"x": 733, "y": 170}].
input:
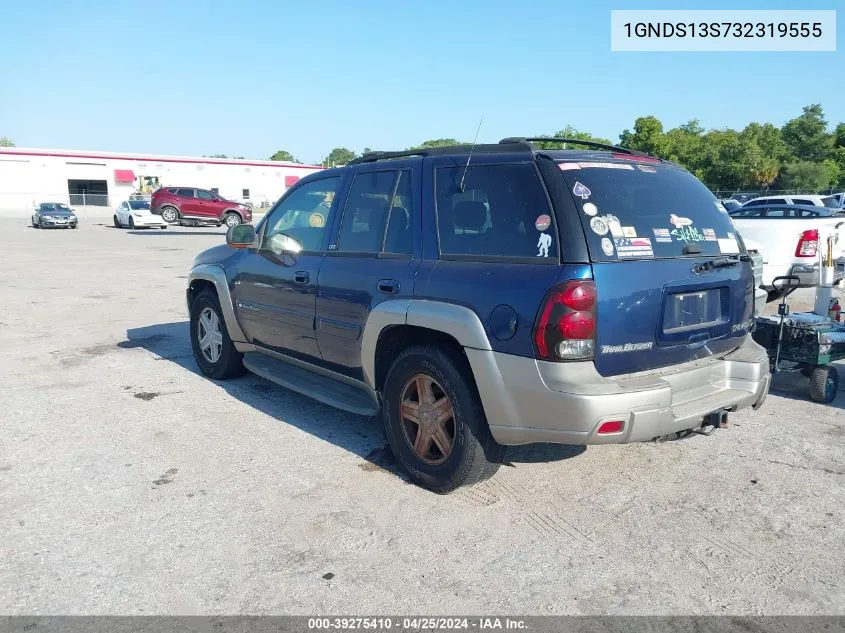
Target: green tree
[
  {"x": 438, "y": 142},
  {"x": 573, "y": 133},
  {"x": 339, "y": 156},
  {"x": 838, "y": 136},
  {"x": 685, "y": 145},
  {"x": 806, "y": 136},
  {"x": 805, "y": 175},
  {"x": 768, "y": 138},
  {"x": 284, "y": 155},
  {"x": 6, "y": 142},
  {"x": 646, "y": 137}
]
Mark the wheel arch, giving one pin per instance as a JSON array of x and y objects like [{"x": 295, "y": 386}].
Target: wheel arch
[
  {"x": 397, "y": 323},
  {"x": 211, "y": 276}
]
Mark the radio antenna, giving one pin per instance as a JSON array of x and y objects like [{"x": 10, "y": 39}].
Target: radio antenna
[{"x": 466, "y": 167}]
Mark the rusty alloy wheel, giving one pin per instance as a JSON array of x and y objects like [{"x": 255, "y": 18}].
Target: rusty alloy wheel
[{"x": 428, "y": 419}]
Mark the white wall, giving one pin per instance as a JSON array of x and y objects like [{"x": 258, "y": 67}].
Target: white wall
[{"x": 28, "y": 175}]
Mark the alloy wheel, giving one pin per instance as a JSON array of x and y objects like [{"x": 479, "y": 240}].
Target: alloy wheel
[
  {"x": 428, "y": 419},
  {"x": 210, "y": 335}
]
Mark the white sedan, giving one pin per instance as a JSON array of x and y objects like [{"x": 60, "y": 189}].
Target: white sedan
[{"x": 137, "y": 214}]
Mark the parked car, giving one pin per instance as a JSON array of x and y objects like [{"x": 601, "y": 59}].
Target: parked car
[
  {"x": 744, "y": 196},
  {"x": 793, "y": 240},
  {"x": 502, "y": 297},
  {"x": 730, "y": 204},
  {"x": 137, "y": 214},
  {"x": 55, "y": 215},
  {"x": 200, "y": 206},
  {"x": 831, "y": 201}
]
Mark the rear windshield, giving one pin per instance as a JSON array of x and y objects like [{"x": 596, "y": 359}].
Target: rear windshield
[{"x": 635, "y": 211}]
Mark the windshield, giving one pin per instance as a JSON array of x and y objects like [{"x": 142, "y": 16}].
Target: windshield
[
  {"x": 55, "y": 207},
  {"x": 636, "y": 211},
  {"x": 831, "y": 202},
  {"x": 138, "y": 204}
]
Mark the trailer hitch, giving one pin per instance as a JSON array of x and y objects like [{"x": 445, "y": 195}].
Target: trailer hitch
[{"x": 713, "y": 421}]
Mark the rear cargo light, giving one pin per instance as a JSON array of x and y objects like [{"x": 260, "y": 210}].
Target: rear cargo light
[
  {"x": 566, "y": 325},
  {"x": 808, "y": 244},
  {"x": 614, "y": 426}
]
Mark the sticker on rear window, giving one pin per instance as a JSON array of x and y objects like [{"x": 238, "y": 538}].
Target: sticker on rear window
[
  {"x": 614, "y": 226},
  {"x": 568, "y": 166},
  {"x": 687, "y": 234},
  {"x": 679, "y": 221},
  {"x": 607, "y": 246},
  {"x": 629, "y": 231},
  {"x": 581, "y": 191},
  {"x": 634, "y": 247},
  {"x": 599, "y": 226},
  {"x": 542, "y": 222},
  {"x": 709, "y": 235},
  {"x": 606, "y": 166},
  {"x": 590, "y": 209},
  {"x": 662, "y": 235},
  {"x": 543, "y": 244},
  {"x": 647, "y": 169},
  {"x": 728, "y": 246}
]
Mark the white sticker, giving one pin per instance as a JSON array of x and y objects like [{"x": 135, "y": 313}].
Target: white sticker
[
  {"x": 614, "y": 225},
  {"x": 709, "y": 235},
  {"x": 599, "y": 226},
  {"x": 582, "y": 191},
  {"x": 661, "y": 235},
  {"x": 568, "y": 166},
  {"x": 629, "y": 231},
  {"x": 590, "y": 209},
  {"x": 607, "y": 246},
  {"x": 678, "y": 221},
  {"x": 543, "y": 244},
  {"x": 728, "y": 246}
]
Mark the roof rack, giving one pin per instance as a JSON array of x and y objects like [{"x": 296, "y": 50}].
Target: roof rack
[
  {"x": 494, "y": 148},
  {"x": 557, "y": 139}
]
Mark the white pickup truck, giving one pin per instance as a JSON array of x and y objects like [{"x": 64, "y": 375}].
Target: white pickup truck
[{"x": 793, "y": 241}]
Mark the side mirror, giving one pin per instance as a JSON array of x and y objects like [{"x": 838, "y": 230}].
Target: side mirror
[{"x": 241, "y": 236}]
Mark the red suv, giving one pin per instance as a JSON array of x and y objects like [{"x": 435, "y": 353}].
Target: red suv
[{"x": 175, "y": 204}]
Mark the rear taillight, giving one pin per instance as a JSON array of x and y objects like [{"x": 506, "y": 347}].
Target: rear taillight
[
  {"x": 566, "y": 325},
  {"x": 808, "y": 244}
]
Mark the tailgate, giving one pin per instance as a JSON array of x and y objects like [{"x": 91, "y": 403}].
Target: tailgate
[{"x": 658, "y": 313}]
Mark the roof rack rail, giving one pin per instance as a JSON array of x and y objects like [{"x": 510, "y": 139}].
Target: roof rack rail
[
  {"x": 371, "y": 157},
  {"x": 557, "y": 139},
  {"x": 491, "y": 148}
]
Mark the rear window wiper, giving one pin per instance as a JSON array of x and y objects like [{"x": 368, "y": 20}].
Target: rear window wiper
[{"x": 720, "y": 262}]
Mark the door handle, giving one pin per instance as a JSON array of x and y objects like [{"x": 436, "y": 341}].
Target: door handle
[
  {"x": 388, "y": 286},
  {"x": 302, "y": 277}
]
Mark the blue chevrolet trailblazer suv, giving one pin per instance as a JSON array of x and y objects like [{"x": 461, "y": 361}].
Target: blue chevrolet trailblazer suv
[{"x": 485, "y": 296}]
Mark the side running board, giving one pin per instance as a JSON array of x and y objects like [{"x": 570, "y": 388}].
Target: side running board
[{"x": 312, "y": 384}]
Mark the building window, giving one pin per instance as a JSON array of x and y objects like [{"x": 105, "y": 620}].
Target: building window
[
  {"x": 215, "y": 191},
  {"x": 245, "y": 195}
]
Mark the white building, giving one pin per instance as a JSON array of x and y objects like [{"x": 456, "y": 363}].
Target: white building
[{"x": 83, "y": 178}]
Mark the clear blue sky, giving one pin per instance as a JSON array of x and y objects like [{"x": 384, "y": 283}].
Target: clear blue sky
[{"x": 248, "y": 77}]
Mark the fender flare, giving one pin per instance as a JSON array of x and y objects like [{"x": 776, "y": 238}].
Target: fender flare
[
  {"x": 216, "y": 275},
  {"x": 459, "y": 322}
]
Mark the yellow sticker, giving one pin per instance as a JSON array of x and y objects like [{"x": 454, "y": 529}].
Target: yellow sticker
[{"x": 316, "y": 220}]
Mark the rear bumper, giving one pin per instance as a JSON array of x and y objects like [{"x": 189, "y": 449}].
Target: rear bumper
[
  {"x": 808, "y": 273},
  {"x": 528, "y": 401}
]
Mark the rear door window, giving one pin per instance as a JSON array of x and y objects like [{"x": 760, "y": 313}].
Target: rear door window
[
  {"x": 499, "y": 211},
  {"x": 634, "y": 211},
  {"x": 185, "y": 193}
]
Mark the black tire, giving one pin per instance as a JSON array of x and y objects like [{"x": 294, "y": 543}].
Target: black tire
[
  {"x": 170, "y": 214},
  {"x": 117, "y": 224},
  {"x": 824, "y": 383},
  {"x": 230, "y": 363},
  {"x": 131, "y": 223},
  {"x": 231, "y": 219},
  {"x": 475, "y": 455}
]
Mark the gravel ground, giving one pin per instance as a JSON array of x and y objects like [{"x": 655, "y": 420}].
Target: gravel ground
[{"x": 129, "y": 484}]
